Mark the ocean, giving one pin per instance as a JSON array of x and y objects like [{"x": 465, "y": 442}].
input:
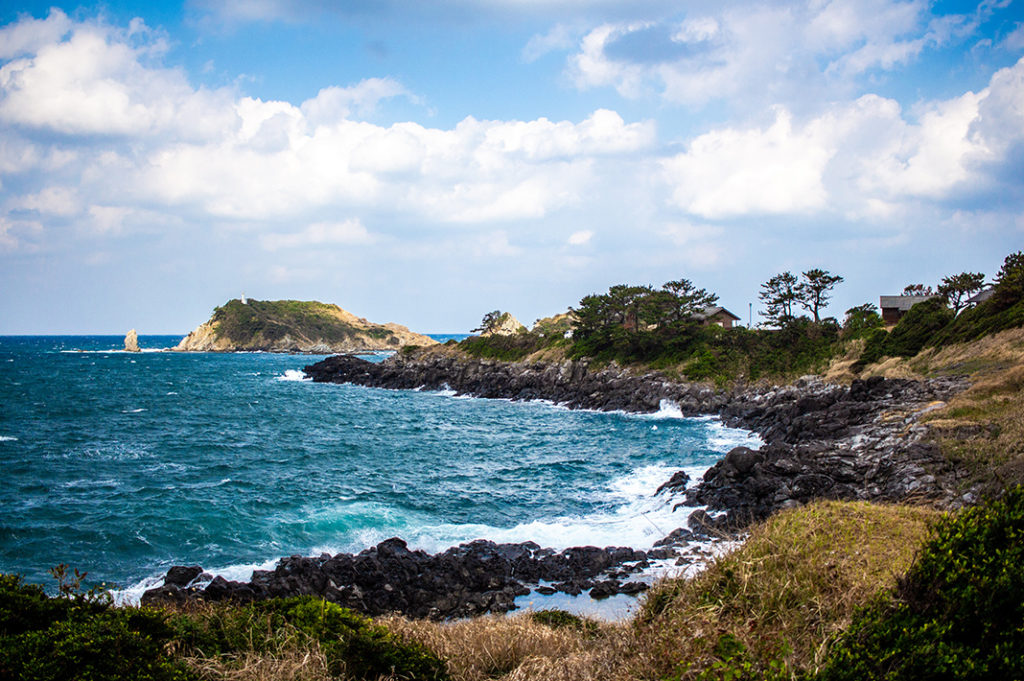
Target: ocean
[{"x": 124, "y": 464}]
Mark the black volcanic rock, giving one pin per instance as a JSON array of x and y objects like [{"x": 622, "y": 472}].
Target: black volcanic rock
[{"x": 465, "y": 580}]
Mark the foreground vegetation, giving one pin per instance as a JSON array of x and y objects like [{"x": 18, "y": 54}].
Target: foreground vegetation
[{"x": 829, "y": 591}]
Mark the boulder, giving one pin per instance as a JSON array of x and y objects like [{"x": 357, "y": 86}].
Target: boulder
[{"x": 131, "y": 341}]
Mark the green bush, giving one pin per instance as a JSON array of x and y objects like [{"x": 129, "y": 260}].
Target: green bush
[
  {"x": 917, "y": 327},
  {"x": 560, "y": 619},
  {"x": 79, "y": 637},
  {"x": 957, "y": 614}
]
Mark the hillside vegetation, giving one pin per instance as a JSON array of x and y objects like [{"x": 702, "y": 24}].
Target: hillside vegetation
[
  {"x": 665, "y": 329},
  {"x": 294, "y": 326}
]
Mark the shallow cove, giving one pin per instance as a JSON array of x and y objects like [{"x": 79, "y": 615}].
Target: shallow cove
[{"x": 123, "y": 464}]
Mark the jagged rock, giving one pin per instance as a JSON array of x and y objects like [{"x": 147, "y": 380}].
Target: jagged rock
[
  {"x": 131, "y": 341},
  {"x": 181, "y": 575},
  {"x": 465, "y": 580}
]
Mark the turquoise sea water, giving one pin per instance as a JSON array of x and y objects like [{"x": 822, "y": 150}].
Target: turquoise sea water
[{"x": 123, "y": 464}]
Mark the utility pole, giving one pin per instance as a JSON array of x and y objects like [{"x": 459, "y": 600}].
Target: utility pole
[{"x": 750, "y": 316}]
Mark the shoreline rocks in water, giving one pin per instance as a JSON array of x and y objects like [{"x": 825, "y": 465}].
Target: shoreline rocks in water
[{"x": 470, "y": 579}]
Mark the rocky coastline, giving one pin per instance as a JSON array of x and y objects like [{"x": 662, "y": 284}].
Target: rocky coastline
[{"x": 858, "y": 442}]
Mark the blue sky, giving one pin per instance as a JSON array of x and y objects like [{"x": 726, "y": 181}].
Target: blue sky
[{"x": 426, "y": 163}]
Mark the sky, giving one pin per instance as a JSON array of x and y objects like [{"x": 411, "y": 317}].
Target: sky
[{"x": 428, "y": 162}]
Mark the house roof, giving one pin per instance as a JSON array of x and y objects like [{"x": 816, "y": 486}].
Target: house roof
[
  {"x": 902, "y": 303},
  {"x": 715, "y": 310},
  {"x": 981, "y": 296}
]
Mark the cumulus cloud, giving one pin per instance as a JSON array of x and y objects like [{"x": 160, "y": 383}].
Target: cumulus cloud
[
  {"x": 29, "y": 35},
  {"x": 764, "y": 51},
  {"x": 732, "y": 172},
  {"x": 129, "y": 133},
  {"x": 862, "y": 158}
]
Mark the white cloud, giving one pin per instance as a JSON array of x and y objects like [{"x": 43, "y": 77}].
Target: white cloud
[
  {"x": 334, "y": 103},
  {"x": 734, "y": 172},
  {"x": 28, "y": 35},
  {"x": 863, "y": 158},
  {"x": 93, "y": 83},
  {"x": 580, "y": 238},
  {"x": 57, "y": 201},
  {"x": 225, "y": 156},
  {"x": 560, "y": 37},
  {"x": 347, "y": 233},
  {"x": 19, "y": 235},
  {"x": 1014, "y": 40},
  {"x": 766, "y": 52}
]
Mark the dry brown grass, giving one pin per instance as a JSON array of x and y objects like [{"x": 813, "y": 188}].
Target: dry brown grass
[
  {"x": 516, "y": 647},
  {"x": 839, "y": 369},
  {"x": 297, "y": 664},
  {"x": 785, "y": 593}
]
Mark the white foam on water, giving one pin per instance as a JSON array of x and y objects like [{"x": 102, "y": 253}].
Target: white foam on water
[
  {"x": 8, "y": 438},
  {"x": 131, "y": 595},
  {"x": 293, "y": 375},
  {"x": 723, "y": 438},
  {"x": 133, "y": 411},
  {"x": 633, "y": 517}
]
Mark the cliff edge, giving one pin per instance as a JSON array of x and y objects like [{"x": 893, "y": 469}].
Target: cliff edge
[{"x": 294, "y": 326}]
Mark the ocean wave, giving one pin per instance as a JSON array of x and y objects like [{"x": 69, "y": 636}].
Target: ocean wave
[
  {"x": 723, "y": 438},
  {"x": 132, "y": 594},
  {"x": 8, "y": 438},
  {"x": 293, "y": 375}
]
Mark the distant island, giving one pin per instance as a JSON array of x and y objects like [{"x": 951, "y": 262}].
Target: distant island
[{"x": 294, "y": 326}]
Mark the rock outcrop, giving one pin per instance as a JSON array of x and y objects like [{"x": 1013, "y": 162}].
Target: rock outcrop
[
  {"x": 504, "y": 325},
  {"x": 294, "y": 326},
  {"x": 131, "y": 341},
  {"x": 470, "y": 579}
]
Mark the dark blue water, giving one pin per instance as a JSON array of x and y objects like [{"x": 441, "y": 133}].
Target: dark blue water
[{"x": 122, "y": 464}]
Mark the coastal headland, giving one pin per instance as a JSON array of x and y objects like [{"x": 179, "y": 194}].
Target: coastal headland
[
  {"x": 248, "y": 325},
  {"x": 861, "y": 441}
]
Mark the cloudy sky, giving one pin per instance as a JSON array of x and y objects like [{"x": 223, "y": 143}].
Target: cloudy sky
[{"x": 426, "y": 162}]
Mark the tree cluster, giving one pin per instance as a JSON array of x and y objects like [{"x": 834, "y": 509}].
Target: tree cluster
[
  {"x": 784, "y": 291},
  {"x": 627, "y": 314}
]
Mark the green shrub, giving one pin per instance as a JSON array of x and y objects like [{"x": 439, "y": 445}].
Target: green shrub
[
  {"x": 957, "y": 614},
  {"x": 560, "y": 619},
  {"x": 917, "y": 327},
  {"x": 874, "y": 348},
  {"x": 79, "y": 637}
]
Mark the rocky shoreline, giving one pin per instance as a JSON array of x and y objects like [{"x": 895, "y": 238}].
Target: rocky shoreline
[
  {"x": 857, "y": 442},
  {"x": 471, "y": 579}
]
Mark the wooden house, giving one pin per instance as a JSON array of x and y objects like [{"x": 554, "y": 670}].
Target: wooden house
[
  {"x": 894, "y": 307},
  {"x": 718, "y": 315}
]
